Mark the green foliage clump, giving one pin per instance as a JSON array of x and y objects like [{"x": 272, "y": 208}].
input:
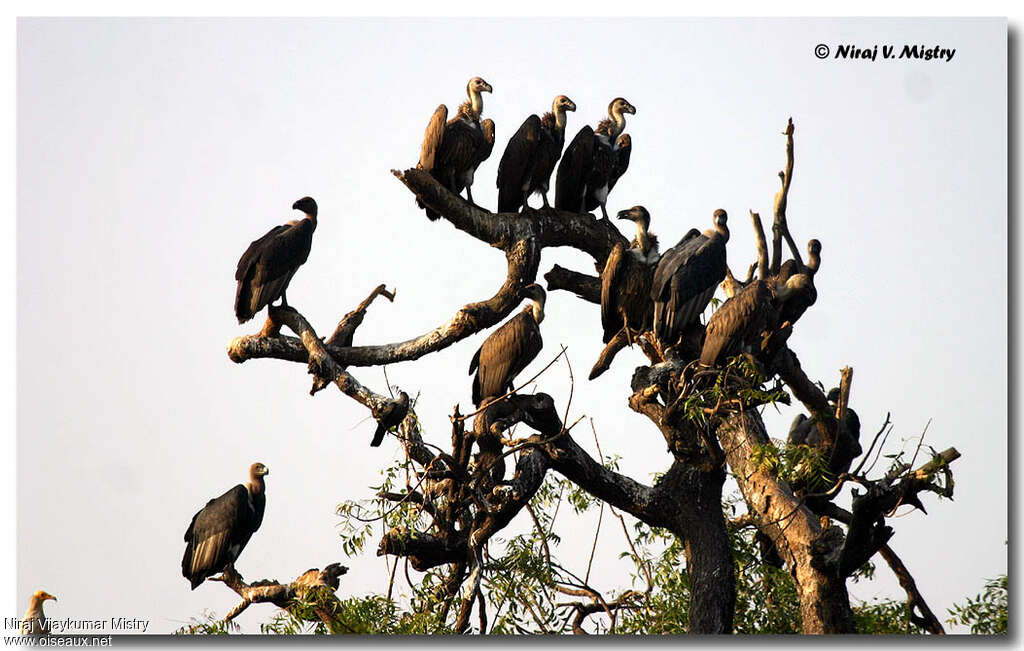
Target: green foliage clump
[{"x": 986, "y": 613}]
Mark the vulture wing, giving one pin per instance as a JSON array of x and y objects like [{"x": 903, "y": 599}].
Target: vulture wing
[
  {"x": 573, "y": 171},
  {"x": 621, "y": 164},
  {"x": 432, "y": 138},
  {"x": 214, "y": 535},
  {"x": 611, "y": 318},
  {"x": 504, "y": 354},
  {"x": 517, "y": 163},
  {"x": 267, "y": 266}
]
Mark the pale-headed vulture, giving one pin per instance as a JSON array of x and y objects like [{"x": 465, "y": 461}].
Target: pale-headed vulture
[
  {"x": 593, "y": 162},
  {"x": 267, "y": 266},
  {"x": 453, "y": 149},
  {"x": 509, "y": 349},
  {"x": 530, "y": 157},
  {"x": 219, "y": 532}
]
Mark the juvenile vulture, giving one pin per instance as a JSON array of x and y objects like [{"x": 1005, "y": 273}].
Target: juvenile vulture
[
  {"x": 509, "y": 349},
  {"x": 267, "y": 266},
  {"x": 392, "y": 415},
  {"x": 626, "y": 279},
  {"x": 219, "y": 532},
  {"x": 34, "y": 622},
  {"x": 801, "y": 283},
  {"x": 686, "y": 278},
  {"x": 453, "y": 149},
  {"x": 593, "y": 162},
  {"x": 530, "y": 157}
]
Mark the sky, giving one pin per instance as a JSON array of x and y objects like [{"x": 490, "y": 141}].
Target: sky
[{"x": 150, "y": 152}]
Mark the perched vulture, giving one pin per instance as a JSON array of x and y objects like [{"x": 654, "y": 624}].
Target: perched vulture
[
  {"x": 804, "y": 431},
  {"x": 453, "y": 149},
  {"x": 530, "y": 157},
  {"x": 593, "y": 162},
  {"x": 736, "y": 327},
  {"x": 392, "y": 415},
  {"x": 626, "y": 279},
  {"x": 801, "y": 283},
  {"x": 219, "y": 532},
  {"x": 267, "y": 266},
  {"x": 686, "y": 278},
  {"x": 34, "y": 622},
  {"x": 509, "y": 349}
]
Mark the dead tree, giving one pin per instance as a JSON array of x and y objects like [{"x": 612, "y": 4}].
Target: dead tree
[{"x": 468, "y": 497}]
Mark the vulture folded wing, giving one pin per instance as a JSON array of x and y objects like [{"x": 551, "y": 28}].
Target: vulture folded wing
[
  {"x": 611, "y": 320},
  {"x": 573, "y": 170},
  {"x": 432, "y": 138},
  {"x": 516, "y": 164},
  {"x": 621, "y": 164},
  {"x": 213, "y": 532},
  {"x": 268, "y": 264},
  {"x": 485, "y": 147}
]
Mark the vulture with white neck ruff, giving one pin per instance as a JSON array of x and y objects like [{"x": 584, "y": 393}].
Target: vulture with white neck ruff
[
  {"x": 593, "y": 162},
  {"x": 626, "y": 279},
  {"x": 453, "y": 149},
  {"x": 530, "y": 157}
]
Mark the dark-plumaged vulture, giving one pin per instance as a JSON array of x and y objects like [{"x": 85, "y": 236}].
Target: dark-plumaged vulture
[
  {"x": 592, "y": 162},
  {"x": 626, "y": 279},
  {"x": 219, "y": 532},
  {"x": 738, "y": 324},
  {"x": 686, "y": 278},
  {"x": 530, "y": 157},
  {"x": 801, "y": 283},
  {"x": 509, "y": 349},
  {"x": 391, "y": 416},
  {"x": 34, "y": 622},
  {"x": 267, "y": 266},
  {"x": 804, "y": 431},
  {"x": 453, "y": 149}
]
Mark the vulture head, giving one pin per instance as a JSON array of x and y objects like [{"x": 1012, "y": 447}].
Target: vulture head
[
  {"x": 619, "y": 106},
  {"x": 721, "y": 220},
  {"x": 813, "y": 255},
  {"x": 637, "y": 214},
  {"x": 562, "y": 104},
  {"x": 535, "y": 293},
  {"x": 258, "y": 470},
  {"x": 306, "y": 205},
  {"x": 477, "y": 85},
  {"x": 39, "y": 596}
]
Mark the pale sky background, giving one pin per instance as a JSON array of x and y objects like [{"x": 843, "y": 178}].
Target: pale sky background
[{"x": 152, "y": 151}]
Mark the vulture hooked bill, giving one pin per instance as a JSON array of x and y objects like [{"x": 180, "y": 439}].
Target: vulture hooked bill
[
  {"x": 509, "y": 349},
  {"x": 530, "y": 157},
  {"x": 626, "y": 279},
  {"x": 453, "y": 149},
  {"x": 392, "y": 415},
  {"x": 686, "y": 278},
  {"x": 219, "y": 532},
  {"x": 594, "y": 161},
  {"x": 34, "y": 621},
  {"x": 267, "y": 266}
]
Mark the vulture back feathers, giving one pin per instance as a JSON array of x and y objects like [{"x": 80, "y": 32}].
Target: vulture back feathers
[
  {"x": 508, "y": 350},
  {"x": 573, "y": 171}
]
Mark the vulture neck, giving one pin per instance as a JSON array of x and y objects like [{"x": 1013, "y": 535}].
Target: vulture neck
[
  {"x": 537, "y": 308},
  {"x": 256, "y": 486},
  {"x": 719, "y": 230},
  {"x": 618, "y": 124},
  {"x": 642, "y": 238},
  {"x": 35, "y": 608},
  {"x": 812, "y": 264},
  {"x": 476, "y": 103},
  {"x": 559, "y": 114}
]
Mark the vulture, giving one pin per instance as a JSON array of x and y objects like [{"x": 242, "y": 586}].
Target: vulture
[
  {"x": 219, "y": 532},
  {"x": 267, "y": 266},
  {"x": 509, "y": 349},
  {"x": 804, "y": 431},
  {"x": 801, "y": 282},
  {"x": 392, "y": 415},
  {"x": 686, "y": 278},
  {"x": 737, "y": 325},
  {"x": 530, "y": 157},
  {"x": 626, "y": 279},
  {"x": 34, "y": 622},
  {"x": 453, "y": 149},
  {"x": 593, "y": 162}
]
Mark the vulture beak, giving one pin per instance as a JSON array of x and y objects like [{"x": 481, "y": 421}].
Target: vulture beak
[
  {"x": 487, "y": 87},
  {"x": 49, "y": 596},
  {"x": 629, "y": 108},
  {"x": 570, "y": 106},
  {"x": 295, "y": 206},
  {"x": 624, "y": 214}
]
